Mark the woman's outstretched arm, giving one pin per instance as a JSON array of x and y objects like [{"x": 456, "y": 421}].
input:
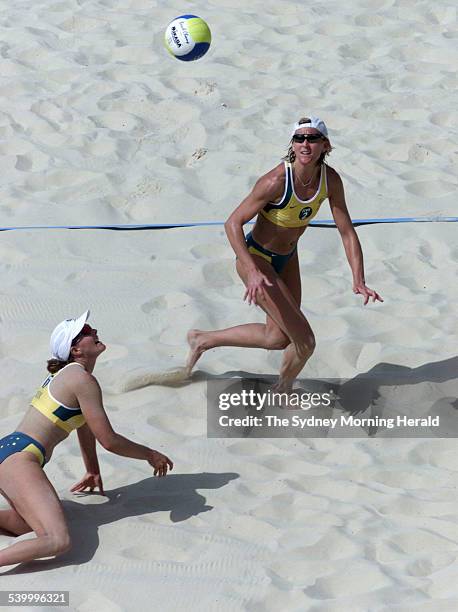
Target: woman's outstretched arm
[{"x": 349, "y": 237}]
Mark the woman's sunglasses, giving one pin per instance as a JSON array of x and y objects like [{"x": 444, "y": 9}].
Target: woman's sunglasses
[
  {"x": 307, "y": 137},
  {"x": 86, "y": 331}
]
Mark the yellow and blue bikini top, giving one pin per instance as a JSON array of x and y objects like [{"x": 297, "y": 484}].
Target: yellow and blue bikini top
[
  {"x": 291, "y": 211},
  {"x": 64, "y": 417}
]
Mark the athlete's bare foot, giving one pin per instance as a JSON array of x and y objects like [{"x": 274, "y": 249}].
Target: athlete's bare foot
[
  {"x": 283, "y": 386},
  {"x": 196, "y": 348},
  {"x": 283, "y": 391}
]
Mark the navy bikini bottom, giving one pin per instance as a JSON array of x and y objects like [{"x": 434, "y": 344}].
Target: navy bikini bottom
[
  {"x": 18, "y": 442},
  {"x": 278, "y": 262}
]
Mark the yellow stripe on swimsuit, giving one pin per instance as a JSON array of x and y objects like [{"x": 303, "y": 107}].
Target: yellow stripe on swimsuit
[
  {"x": 64, "y": 417},
  {"x": 33, "y": 448},
  {"x": 291, "y": 211},
  {"x": 256, "y": 251}
]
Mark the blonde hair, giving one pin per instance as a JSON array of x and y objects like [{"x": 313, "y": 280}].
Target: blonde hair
[{"x": 291, "y": 156}]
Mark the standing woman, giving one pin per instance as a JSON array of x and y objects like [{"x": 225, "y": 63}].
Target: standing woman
[
  {"x": 285, "y": 200},
  {"x": 70, "y": 398}
]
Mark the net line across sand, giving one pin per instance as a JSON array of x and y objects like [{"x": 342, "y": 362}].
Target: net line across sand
[{"x": 163, "y": 226}]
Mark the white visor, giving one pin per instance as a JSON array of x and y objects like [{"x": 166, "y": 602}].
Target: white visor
[
  {"x": 63, "y": 335},
  {"x": 315, "y": 122}
]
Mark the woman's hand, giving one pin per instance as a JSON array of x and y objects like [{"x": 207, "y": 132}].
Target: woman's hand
[
  {"x": 160, "y": 463},
  {"x": 89, "y": 481},
  {"x": 255, "y": 286},
  {"x": 366, "y": 293}
]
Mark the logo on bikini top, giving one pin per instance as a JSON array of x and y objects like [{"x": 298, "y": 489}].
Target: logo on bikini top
[{"x": 305, "y": 212}]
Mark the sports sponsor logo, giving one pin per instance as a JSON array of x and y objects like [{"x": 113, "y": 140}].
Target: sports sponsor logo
[
  {"x": 305, "y": 212},
  {"x": 175, "y": 36}
]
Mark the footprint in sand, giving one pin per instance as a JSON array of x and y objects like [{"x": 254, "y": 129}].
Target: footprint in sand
[
  {"x": 431, "y": 189},
  {"x": 434, "y": 563},
  {"x": 174, "y": 299},
  {"x": 210, "y": 250},
  {"x": 448, "y": 119},
  {"x": 118, "y": 121},
  {"x": 369, "y": 20},
  {"x": 219, "y": 274}
]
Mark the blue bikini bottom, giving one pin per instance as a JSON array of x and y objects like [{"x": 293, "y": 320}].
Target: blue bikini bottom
[
  {"x": 18, "y": 442},
  {"x": 278, "y": 262}
]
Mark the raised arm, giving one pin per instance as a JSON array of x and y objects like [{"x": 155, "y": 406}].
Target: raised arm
[
  {"x": 349, "y": 236},
  {"x": 89, "y": 396}
]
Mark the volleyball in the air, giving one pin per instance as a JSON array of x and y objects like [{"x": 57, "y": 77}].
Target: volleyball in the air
[{"x": 187, "y": 38}]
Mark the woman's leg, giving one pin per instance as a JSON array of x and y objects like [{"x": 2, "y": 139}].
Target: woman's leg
[
  {"x": 34, "y": 499},
  {"x": 11, "y": 522},
  {"x": 291, "y": 276},
  {"x": 250, "y": 335},
  {"x": 285, "y": 327},
  {"x": 289, "y": 370},
  {"x": 301, "y": 340}
]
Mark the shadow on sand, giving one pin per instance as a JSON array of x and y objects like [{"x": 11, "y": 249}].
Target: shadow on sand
[
  {"x": 386, "y": 389},
  {"x": 176, "y": 494}
]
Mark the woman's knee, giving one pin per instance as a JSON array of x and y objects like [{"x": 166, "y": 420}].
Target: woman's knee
[
  {"x": 276, "y": 340},
  {"x": 306, "y": 344},
  {"x": 60, "y": 543}
]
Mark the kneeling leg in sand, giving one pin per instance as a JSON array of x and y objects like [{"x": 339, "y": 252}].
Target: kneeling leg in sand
[{"x": 34, "y": 507}]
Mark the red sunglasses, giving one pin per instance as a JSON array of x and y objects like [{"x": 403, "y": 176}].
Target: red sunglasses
[{"x": 86, "y": 331}]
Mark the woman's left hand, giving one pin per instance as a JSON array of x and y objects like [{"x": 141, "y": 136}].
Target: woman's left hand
[
  {"x": 366, "y": 293},
  {"x": 89, "y": 481}
]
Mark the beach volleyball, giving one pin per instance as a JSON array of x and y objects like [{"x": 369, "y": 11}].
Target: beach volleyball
[{"x": 187, "y": 38}]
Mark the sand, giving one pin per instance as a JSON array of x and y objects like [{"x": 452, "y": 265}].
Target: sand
[{"x": 99, "y": 126}]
